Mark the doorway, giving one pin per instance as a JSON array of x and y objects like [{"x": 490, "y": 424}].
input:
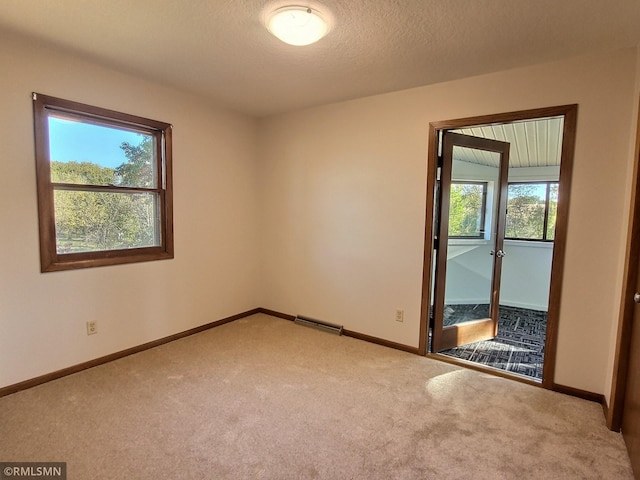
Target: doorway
[{"x": 497, "y": 207}]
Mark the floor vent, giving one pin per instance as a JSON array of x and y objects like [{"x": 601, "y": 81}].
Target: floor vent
[{"x": 327, "y": 327}]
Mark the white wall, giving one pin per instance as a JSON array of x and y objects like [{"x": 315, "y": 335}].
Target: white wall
[
  {"x": 633, "y": 132},
  {"x": 343, "y": 198},
  {"x": 525, "y": 276},
  {"x": 214, "y": 273}
]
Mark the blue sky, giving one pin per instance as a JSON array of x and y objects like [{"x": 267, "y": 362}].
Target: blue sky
[{"x": 84, "y": 142}]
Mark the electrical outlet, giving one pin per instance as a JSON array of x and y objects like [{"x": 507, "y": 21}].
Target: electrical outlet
[
  {"x": 399, "y": 315},
  {"x": 92, "y": 327}
]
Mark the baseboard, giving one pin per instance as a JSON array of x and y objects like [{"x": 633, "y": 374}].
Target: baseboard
[
  {"x": 351, "y": 333},
  {"x": 605, "y": 410},
  {"x": 503, "y": 302},
  {"x": 273, "y": 313},
  {"x": 8, "y": 390},
  {"x": 526, "y": 306},
  {"x": 576, "y": 392},
  {"x": 32, "y": 382},
  {"x": 380, "y": 341},
  {"x": 594, "y": 397},
  {"x": 467, "y": 301}
]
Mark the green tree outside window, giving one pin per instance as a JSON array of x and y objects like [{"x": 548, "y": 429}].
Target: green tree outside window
[
  {"x": 467, "y": 204},
  {"x": 531, "y": 210},
  {"x": 89, "y": 220}
]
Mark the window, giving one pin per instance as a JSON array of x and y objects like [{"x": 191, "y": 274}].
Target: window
[
  {"x": 531, "y": 211},
  {"x": 104, "y": 186},
  {"x": 467, "y": 207}
]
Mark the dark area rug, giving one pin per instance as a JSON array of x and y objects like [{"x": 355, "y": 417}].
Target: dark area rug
[{"x": 519, "y": 346}]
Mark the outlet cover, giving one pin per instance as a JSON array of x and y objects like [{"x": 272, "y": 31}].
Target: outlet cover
[{"x": 92, "y": 327}]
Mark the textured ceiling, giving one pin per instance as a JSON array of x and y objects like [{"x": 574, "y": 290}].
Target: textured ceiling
[{"x": 220, "y": 50}]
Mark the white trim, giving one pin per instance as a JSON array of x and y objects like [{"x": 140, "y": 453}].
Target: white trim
[
  {"x": 529, "y": 243},
  {"x": 529, "y": 306}
]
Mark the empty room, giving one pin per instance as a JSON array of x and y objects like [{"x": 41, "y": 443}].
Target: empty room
[{"x": 401, "y": 242}]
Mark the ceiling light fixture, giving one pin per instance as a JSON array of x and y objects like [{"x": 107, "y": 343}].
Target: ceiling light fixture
[{"x": 297, "y": 25}]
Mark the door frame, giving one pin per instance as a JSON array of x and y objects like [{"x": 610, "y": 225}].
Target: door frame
[
  {"x": 569, "y": 112},
  {"x": 615, "y": 410},
  {"x": 445, "y": 337}
]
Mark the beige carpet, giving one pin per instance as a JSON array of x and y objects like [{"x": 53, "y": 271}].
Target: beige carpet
[{"x": 265, "y": 398}]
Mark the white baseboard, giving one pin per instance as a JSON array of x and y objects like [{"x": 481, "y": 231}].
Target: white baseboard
[{"x": 507, "y": 303}]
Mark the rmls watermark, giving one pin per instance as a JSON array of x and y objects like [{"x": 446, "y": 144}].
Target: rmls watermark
[{"x": 33, "y": 470}]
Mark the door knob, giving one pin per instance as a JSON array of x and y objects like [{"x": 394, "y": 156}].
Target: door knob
[
  {"x": 502, "y": 253},
  {"x": 636, "y": 297}
]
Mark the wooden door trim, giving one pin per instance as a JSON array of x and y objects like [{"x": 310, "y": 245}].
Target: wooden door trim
[
  {"x": 625, "y": 321},
  {"x": 559, "y": 245},
  {"x": 427, "y": 265},
  {"x": 569, "y": 112}
]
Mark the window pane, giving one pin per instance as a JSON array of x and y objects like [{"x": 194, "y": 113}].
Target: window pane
[
  {"x": 553, "y": 211},
  {"x": 89, "y": 154},
  {"x": 98, "y": 221},
  {"x": 466, "y": 210},
  {"x": 525, "y": 210}
]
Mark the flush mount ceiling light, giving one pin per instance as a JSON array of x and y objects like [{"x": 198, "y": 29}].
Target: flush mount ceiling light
[{"x": 297, "y": 25}]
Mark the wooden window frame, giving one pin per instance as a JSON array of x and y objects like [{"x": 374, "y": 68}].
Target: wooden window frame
[
  {"x": 50, "y": 259},
  {"x": 545, "y": 224},
  {"x": 483, "y": 209}
]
